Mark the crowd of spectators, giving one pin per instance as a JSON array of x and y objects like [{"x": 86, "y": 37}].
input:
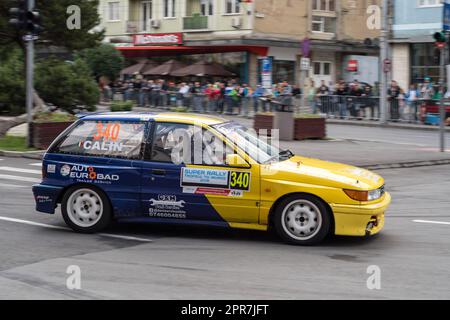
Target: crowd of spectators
[{"x": 355, "y": 100}]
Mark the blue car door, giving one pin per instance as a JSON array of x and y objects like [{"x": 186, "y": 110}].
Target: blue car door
[{"x": 162, "y": 196}]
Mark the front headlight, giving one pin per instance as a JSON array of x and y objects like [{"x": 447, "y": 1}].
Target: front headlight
[{"x": 365, "y": 196}]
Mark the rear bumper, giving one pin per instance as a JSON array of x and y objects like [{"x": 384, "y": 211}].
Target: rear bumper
[
  {"x": 46, "y": 197},
  {"x": 360, "y": 220}
]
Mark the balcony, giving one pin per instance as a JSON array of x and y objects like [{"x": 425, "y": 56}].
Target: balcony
[{"x": 196, "y": 22}]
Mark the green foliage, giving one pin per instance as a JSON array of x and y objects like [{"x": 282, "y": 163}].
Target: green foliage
[
  {"x": 66, "y": 85},
  {"x": 179, "y": 109},
  {"x": 12, "y": 85},
  {"x": 103, "y": 60},
  {"x": 42, "y": 117},
  {"x": 54, "y": 22},
  {"x": 12, "y": 143},
  {"x": 118, "y": 106}
]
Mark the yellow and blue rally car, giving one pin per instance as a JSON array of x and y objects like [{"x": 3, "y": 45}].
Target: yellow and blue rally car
[{"x": 191, "y": 169}]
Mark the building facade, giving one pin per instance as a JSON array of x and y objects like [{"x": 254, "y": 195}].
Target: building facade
[
  {"x": 248, "y": 31},
  {"x": 414, "y": 55}
]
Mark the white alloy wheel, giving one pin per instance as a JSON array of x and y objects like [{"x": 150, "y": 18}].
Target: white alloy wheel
[
  {"x": 84, "y": 208},
  {"x": 301, "y": 220}
]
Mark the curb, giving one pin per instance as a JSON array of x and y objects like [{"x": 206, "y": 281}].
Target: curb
[
  {"x": 405, "y": 165},
  {"x": 389, "y": 125},
  {"x": 36, "y": 155}
]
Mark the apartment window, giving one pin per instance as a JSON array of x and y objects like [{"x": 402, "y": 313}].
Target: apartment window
[
  {"x": 429, "y": 3},
  {"x": 207, "y": 7},
  {"x": 232, "y": 6},
  {"x": 324, "y": 5},
  {"x": 322, "y": 68},
  {"x": 113, "y": 11},
  {"x": 169, "y": 8},
  {"x": 147, "y": 14},
  {"x": 323, "y": 24}
]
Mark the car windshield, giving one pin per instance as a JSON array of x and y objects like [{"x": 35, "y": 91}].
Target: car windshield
[{"x": 260, "y": 149}]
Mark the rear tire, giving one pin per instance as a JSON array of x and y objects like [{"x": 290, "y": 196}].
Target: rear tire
[
  {"x": 86, "y": 209},
  {"x": 302, "y": 220}
]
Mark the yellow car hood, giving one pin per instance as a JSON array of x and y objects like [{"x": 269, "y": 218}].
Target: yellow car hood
[{"x": 318, "y": 172}]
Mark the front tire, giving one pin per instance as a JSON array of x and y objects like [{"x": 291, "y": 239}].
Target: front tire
[
  {"x": 302, "y": 220},
  {"x": 86, "y": 209}
]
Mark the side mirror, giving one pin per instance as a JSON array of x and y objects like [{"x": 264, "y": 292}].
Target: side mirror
[{"x": 236, "y": 161}]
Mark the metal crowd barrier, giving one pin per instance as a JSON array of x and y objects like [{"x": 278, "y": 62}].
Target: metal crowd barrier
[{"x": 331, "y": 106}]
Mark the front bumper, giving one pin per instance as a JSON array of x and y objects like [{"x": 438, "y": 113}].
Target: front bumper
[
  {"x": 46, "y": 197},
  {"x": 360, "y": 220}
]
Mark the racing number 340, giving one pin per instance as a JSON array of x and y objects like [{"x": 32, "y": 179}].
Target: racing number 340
[
  {"x": 111, "y": 132},
  {"x": 240, "y": 181}
]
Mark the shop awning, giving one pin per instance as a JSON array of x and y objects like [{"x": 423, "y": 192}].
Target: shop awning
[{"x": 151, "y": 51}]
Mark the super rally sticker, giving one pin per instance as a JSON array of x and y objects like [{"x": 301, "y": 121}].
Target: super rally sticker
[{"x": 215, "y": 182}]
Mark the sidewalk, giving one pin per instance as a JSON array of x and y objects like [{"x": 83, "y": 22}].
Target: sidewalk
[
  {"x": 374, "y": 155},
  {"x": 392, "y": 125}
]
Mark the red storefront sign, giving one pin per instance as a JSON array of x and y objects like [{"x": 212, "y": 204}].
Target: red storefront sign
[
  {"x": 352, "y": 65},
  {"x": 157, "y": 39}
]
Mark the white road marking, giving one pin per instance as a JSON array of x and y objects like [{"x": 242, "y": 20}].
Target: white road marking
[
  {"x": 7, "y": 185},
  {"x": 38, "y": 224},
  {"x": 18, "y": 178},
  {"x": 37, "y": 164},
  {"x": 432, "y": 222},
  {"x": 13, "y": 169}
]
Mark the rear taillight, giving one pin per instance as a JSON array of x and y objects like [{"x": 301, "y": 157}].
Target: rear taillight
[{"x": 44, "y": 172}]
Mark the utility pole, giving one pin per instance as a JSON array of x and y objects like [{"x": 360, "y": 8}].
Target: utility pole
[
  {"x": 29, "y": 39},
  {"x": 383, "y": 58},
  {"x": 442, "y": 97}
]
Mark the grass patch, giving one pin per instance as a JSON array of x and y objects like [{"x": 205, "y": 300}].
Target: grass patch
[
  {"x": 12, "y": 143},
  {"x": 43, "y": 117}
]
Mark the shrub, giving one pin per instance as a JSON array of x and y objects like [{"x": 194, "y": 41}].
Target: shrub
[{"x": 118, "y": 106}]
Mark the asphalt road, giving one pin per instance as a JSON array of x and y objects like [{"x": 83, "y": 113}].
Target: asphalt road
[{"x": 166, "y": 262}]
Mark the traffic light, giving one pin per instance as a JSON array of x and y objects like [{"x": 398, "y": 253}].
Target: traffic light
[
  {"x": 19, "y": 15},
  {"x": 24, "y": 19},
  {"x": 33, "y": 20}
]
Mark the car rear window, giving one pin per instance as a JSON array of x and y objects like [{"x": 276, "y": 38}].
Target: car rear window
[{"x": 116, "y": 139}]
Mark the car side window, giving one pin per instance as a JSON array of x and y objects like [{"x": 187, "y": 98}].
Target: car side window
[
  {"x": 186, "y": 144},
  {"x": 166, "y": 141},
  {"x": 116, "y": 139}
]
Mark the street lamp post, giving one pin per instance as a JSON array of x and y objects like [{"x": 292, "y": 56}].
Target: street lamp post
[
  {"x": 29, "y": 38},
  {"x": 383, "y": 59}
]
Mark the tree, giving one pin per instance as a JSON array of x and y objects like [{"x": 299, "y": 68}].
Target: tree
[
  {"x": 67, "y": 85},
  {"x": 54, "y": 22},
  {"x": 12, "y": 85},
  {"x": 103, "y": 60}
]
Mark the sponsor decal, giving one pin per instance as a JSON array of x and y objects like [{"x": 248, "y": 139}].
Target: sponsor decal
[
  {"x": 109, "y": 146},
  {"x": 167, "y": 206},
  {"x": 204, "y": 177},
  {"x": 87, "y": 174},
  {"x": 43, "y": 199},
  {"x": 51, "y": 168},
  {"x": 214, "y": 192},
  {"x": 65, "y": 170},
  {"x": 215, "y": 182}
]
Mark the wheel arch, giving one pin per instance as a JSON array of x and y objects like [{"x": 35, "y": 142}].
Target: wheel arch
[
  {"x": 279, "y": 200},
  {"x": 81, "y": 185}
]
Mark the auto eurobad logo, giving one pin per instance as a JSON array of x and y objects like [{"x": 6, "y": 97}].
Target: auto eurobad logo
[{"x": 86, "y": 173}]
